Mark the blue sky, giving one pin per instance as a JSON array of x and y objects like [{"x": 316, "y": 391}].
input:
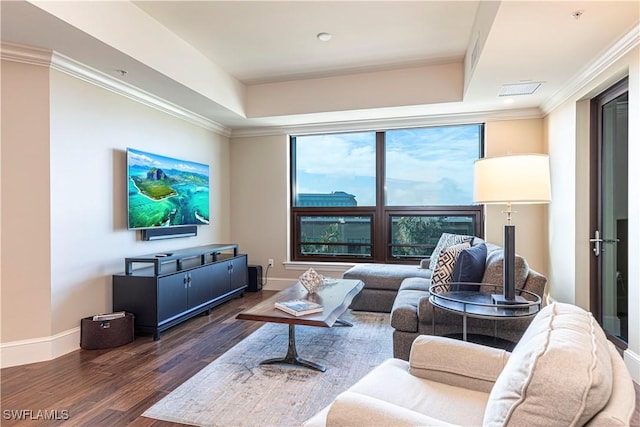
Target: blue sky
[
  {"x": 137, "y": 157},
  {"x": 427, "y": 166}
]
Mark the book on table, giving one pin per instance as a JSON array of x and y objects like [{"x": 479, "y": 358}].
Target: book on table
[{"x": 299, "y": 307}]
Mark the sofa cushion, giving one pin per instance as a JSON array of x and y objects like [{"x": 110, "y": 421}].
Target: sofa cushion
[
  {"x": 404, "y": 314},
  {"x": 446, "y": 240},
  {"x": 459, "y": 363},
  {"x": 619, "y": 409},
  {"x": 469, "y": 268},
  {"x": 384, "y": 276},
  {"x": 494, "y": 269},
  {"x": 562, "y": 338},
  {"x": 392, "y": 382},
  {"x": 359, "y": 410},
  {"x": 446, "y": 263},
  {"x": 415, "y": 284}
]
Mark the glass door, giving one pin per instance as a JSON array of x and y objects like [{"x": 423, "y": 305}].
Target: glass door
[{"x": 609, "y": 191}]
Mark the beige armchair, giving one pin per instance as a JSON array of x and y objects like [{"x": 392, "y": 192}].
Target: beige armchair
[{"x": 563, "y": 372}]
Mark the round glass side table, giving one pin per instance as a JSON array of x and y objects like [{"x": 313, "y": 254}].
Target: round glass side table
[{"x": 479, "y": 304}]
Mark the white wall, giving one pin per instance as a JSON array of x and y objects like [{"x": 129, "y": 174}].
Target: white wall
[
  {"x": 518, "y": 137},
  {"x": 562, "y": 210},
  {"x": 567, "y": 134},
  {"x": 423, "y": 85},
  {"x": 260, "y": 202},
  {"x": 84, "y": 171},
  {"x": 26, "y": 244}
]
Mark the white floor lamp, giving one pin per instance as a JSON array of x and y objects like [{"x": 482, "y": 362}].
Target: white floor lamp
[{"x": 513, "y": 179}]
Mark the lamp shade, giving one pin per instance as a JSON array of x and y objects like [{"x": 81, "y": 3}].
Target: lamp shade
[{"x": 517, "y": 179}]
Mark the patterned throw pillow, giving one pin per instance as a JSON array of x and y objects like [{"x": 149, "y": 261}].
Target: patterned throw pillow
[
  {"x": 446, "y": 263},
  {"x": 446, "y": 240}
]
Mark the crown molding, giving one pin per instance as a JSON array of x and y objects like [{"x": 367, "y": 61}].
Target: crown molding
[
  {"x": 393, "y": 123},
  {"x": 80, "y": 71},
  {"x": 64, "y": 64},
  {"x": 623, "y": 46},
  {"x": 25, "y": 54}
]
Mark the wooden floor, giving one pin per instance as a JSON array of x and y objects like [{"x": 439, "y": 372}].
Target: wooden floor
[{"x": 114, "y": 387}]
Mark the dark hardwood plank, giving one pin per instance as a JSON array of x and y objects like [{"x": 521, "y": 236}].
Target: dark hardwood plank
[{"x": 113, "y": 387}]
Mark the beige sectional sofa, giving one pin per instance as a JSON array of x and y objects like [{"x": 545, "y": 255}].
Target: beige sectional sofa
[{"x": 563, "y": 372}]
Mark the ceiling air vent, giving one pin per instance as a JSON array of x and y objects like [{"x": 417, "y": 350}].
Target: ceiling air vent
[{"x": 519, "y": 89}]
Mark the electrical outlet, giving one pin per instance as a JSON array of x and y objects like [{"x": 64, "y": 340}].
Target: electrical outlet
[{"x": 270, "y": 262}]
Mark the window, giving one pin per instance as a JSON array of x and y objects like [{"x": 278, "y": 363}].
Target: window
[
  {"x": 335, "y": 170},
  {"x": 382, "y": 196}
]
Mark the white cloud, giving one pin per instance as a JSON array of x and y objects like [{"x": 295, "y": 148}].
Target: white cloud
[
  {"x": 423, "y": 166},
  {"x": 353, "y": 155},
  {"x": 185, "y": 167},
  {"x": 139, "y": 158}
]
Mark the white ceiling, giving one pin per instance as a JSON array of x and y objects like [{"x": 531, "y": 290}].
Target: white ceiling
[
  {"x": 267, "y": 41},
  {"x": 260, "y": 42}
]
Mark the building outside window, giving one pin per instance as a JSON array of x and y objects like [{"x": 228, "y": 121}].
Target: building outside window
[{"x": 383, "y": 196}]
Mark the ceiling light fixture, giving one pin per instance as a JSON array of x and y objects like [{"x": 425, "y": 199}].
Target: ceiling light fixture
[{"x": 324, "y": 37}]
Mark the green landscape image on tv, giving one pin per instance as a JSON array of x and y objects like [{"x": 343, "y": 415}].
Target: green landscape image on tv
[{"x": 165, "y": 192}]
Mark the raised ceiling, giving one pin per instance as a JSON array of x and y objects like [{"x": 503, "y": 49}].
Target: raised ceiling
[
  {"x": 259, "y": 42},
  {"x": 247, "y": 64}
]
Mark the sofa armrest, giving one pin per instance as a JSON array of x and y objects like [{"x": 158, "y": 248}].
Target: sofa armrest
[
  {"x": 427, "y": 312},
  {"x": 355, "y": 409},
  {"x": 424, "y": 263},
  {"x": 425, "y": 309},
  {"x": 458, "y": 363}
]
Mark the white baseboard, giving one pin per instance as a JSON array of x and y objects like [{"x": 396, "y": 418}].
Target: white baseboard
[
  {"x": 328, "y": 269},
  {"x": 277, "y": 284},
  {"x": 23, "y": 352},
  {"x": 334, "y": 270},
  {"x": 632, "y": 360}
]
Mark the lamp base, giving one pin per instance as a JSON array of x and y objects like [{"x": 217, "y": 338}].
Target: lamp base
[{"x": 501, "y": 300}]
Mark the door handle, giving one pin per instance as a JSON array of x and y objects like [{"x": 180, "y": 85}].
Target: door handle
[{"x": 597, "y": 242}]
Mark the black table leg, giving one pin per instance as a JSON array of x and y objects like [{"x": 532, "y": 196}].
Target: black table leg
[{"x": 292, "y": 356}]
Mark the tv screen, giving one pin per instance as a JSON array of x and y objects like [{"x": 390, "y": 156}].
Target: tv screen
[{"x": 165, "y": 192}]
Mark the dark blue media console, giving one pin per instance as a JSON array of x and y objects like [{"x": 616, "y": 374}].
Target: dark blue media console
[{"x": 171, "y": 287}]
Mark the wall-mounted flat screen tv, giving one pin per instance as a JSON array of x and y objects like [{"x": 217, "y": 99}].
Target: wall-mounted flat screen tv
[{"x": 165, "y": 192}]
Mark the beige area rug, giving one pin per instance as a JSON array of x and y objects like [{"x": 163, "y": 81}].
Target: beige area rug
[{"x": 235, "y": 390}]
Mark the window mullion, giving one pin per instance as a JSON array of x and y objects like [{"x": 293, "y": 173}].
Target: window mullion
[{"x": 380, "y": 230}]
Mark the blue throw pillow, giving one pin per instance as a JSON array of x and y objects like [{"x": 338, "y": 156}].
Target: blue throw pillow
[{"x": 469, "y": 268}]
